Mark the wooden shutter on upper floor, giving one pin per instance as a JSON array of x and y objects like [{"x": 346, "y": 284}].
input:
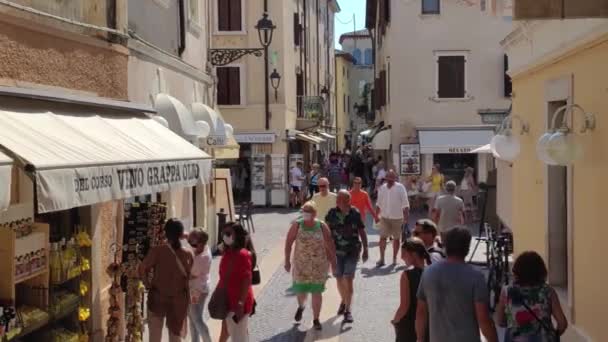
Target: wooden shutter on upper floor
[
  {"x": 296, "y": 29},
  {"x": 229, "y": 85},
  {"x": 223, "y": 15},
  {"x": 235, "y": 15},
  {"x": 222, "y": 86},
  {"x": 387, "y": 11},
  {"x": 451, "y": 78},
  {"x": 382, "y": 95},
  {"x": 235, "y": 85},
  {"x": 559, "y": 9},
  {"x": 508, "y": 87}
]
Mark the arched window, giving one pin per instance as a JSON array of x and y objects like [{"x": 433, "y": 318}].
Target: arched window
[
  {"x": 368, "y": 57},
  {"x": 357, "y": 56}
]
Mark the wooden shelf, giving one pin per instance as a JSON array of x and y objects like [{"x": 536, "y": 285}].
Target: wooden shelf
[{"x": 31, "y": 276}]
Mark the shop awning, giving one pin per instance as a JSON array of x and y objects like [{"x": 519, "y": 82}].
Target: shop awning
[
  {"x": 310, "y": 138},
  {"x": 453, "y": 140},
  {"x": 327, "y": 135},
  {"x": 382, "y": 140},
  {"x": 228, "y": 151},
  {"x": 79, "y": 160},
  {"x": 483, "y": 149},
  {"x": 6, "y": 164}
]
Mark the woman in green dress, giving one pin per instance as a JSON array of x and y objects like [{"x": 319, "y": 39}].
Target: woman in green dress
[{"x": 314, "y": 253}]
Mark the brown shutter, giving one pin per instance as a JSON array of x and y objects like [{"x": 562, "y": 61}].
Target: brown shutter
[
  {"x": 296, "y": 29},
  {"x": 223, "y": 15},
  {"x": 508, "y": 85},
  {"x": 234, "y": 77},
  {"x": 451, "y": 77},
  {"x": 388, "y": 11},
  {"x": 382, "y": 16},
  {"x": 235, "y": 15},
  {"x": 537, "y": 9},
  {"x": 222, "y": 86}
]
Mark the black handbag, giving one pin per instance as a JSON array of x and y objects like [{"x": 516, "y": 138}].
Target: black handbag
[{"x": 256, "y": 278}]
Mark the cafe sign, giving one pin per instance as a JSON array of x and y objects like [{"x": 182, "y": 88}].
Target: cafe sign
[{"x": 216, "y": 140}]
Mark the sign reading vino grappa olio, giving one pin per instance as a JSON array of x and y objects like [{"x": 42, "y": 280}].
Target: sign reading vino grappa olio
[{"x": 62, "y": 189}]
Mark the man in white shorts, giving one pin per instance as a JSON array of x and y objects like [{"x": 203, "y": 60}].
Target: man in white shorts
[{"x": 393, "y": 209}]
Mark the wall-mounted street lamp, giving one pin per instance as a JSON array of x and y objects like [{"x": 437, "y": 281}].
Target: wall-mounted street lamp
[
  {"x": 265, "y": 29},
  {"x": 275, "y": 81},
  {"x": 558, "y": 146},
  {"x": 505, "y": 145}
]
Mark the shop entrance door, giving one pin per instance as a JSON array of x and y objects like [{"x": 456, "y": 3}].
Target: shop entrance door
[{"x": 452, "y": 165}]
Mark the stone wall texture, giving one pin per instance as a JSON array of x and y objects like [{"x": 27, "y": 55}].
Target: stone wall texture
[{"x": 40, "y": 58}]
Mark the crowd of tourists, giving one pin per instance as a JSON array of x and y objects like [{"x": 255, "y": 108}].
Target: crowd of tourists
[{"x": 442, "y": 297}]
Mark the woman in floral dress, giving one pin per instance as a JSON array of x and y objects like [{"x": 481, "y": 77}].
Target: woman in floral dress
[
  {"x": 312, "y": 257},
  {"x": 530, "y": 289}
]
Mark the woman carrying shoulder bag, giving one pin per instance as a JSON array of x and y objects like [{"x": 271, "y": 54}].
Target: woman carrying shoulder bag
[
  {"x": 169, "y": 295},
  {"x": 232, "y": 300},
  {"x": 527, "y": 306}
]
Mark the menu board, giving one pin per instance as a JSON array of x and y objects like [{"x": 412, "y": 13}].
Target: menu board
[
  {"x": 409, "y": 159},
  {"x": 258, "y": 172}
]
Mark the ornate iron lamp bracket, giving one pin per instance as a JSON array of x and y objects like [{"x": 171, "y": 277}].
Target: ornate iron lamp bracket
[{"x": 221, "y": 57}]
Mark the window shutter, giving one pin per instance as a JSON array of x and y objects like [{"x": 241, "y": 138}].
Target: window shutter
[
  {"x": 451, "y": 77},
  {"x": 388, "y": 11},
  {"x": 507, "y": 78},
  {"x": 222, "y": 86},
  {"x": 296, "y": 29},
  {"x": 235, "y": 15},
  {"x": 377, "y": 94},
  {"x": 382, "y": 17},
  {"x": 299, "y": 92},
  {"x": 223, "y": 15},
  {"x": 234, "y": 77}
]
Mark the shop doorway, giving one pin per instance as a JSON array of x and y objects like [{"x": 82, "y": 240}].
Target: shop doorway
[
  {"x": 453, "y": 165},
  {"x": 240, "y": 173}
]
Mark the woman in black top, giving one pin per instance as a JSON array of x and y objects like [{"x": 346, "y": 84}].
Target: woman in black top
[{"x": 415, "y": 255}]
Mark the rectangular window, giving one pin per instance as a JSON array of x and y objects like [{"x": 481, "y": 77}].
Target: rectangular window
[
  {"x": 229, "y": 86},
  {"x": 451, "y": 77},
  {"x": 229, "y": 15},
  {"x": 344, "y": 103},
  {"x": 297, "y": 29},
  {"x": 430, "y": 7}
]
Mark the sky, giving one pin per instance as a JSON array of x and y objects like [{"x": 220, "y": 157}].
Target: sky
[{"x": 344, "y": 19}]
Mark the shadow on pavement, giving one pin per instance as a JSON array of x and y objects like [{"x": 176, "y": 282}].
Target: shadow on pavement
[
  {"x": 379, "y": 272},
  {"x": 294, "y": 334}
]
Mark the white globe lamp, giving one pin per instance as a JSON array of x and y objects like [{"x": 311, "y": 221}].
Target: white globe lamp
[
  {"x": 229, "y": 129},
  {"x": 203, "y": 129},
  {"x": 564, "y": 149},
  {"x": 506, "y": 146},
  {"x": 542, "y": 149}
]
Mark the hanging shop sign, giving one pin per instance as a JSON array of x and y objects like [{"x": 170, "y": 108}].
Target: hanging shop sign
[
  {"x": 216, "y": 140},
  {"x": 255, "y": 138},
  {"x": 409, "y": 157},
  {"x": 60, "y": 189}
]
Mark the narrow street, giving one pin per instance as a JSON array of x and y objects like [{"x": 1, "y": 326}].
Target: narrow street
[{"x": 376, "y": 293}]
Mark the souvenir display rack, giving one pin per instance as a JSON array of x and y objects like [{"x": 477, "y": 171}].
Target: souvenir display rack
[{"x": 46, "y": 284}]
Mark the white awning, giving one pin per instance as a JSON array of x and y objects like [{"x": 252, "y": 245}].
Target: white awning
[
  {"x": 483, "y": 149},
  {"x": 177, "y": 115},
  {"x": 6, "y": 164},
  {"x": 446, "y": 141},
  {"x": 310, "y": 138},
  {"x": 327, "y": 135},
  {"x": 79, "y": 160},
  {"x": 382, "y": 140}
]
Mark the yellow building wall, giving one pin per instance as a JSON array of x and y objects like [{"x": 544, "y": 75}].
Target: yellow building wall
[
  {"x": 589, "y": 233},
  {"x": 342, "y": 91}
]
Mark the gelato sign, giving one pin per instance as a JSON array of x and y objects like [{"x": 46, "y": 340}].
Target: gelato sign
[{"x": 62, "y": 189}]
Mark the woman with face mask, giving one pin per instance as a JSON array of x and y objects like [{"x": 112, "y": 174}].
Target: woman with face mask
[
  {"x": 235, "y": 276},
  {"x": 314, "y": 252}
]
